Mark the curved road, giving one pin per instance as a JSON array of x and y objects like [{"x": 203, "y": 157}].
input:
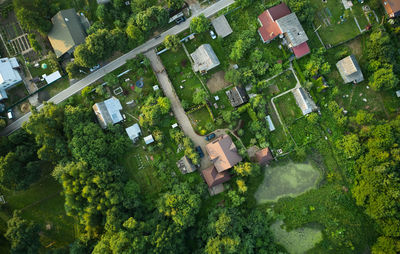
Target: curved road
[{"x": 93, "y": 77}]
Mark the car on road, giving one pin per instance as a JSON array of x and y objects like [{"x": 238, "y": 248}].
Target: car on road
[
  {"x": 199, "y": 151},
  {"x": 212, "y": 34},
  {"x": 94, "y": 68},
  {"x": 180, "y": 20},
  {"x": 10, "y": 114},
  {"x": 209, "y": 137}
]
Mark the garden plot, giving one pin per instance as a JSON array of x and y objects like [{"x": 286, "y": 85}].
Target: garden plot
[
  {"x": 287, "y": 108},
  {"x": 201, "y": 120},
  {"x": 13, "y": 37},
  {"x": 282, "y": 83},
  {"x": 335, "y": 24},
  {"x": 297, "y": 241},
  {"x": 217, "y": 82},
  {"x": 288, "y": 179}
]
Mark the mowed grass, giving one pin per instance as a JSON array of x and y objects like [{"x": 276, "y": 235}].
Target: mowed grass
[
  {"x": 286, "y": 179},
  {"x": 297, "y": 241},
  {"x": 200, "y": 120},
  {"x": 284, "y": 82},
  {"x": 43, "y": 204},
  {"x": 278, "y": 138},
  {"x": 338, "y": 31},
  {"x": 287, "y": 108}
]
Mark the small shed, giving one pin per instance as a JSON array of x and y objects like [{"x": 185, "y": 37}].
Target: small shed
[
  {"x": 185, "y": 165},
  {"x": 134, "y": 132},
  {"x": 350, "y": 70},
  {"x": 237, "y": 96},
  {"x": 148, "y": 139},
  {"x": 204, "y": 58},
  {"x": 52, "y": 77},
  {"x": 222, "y": 26},
  {"x": 270, "y": 123}
]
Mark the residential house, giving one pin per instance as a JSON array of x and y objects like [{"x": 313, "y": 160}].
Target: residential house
[
  {"x": 9, "y": 75},
  {"x": 67, "y": 32},
  {"x": 221, "y": 26},
  {"x": 204, "y": 59},
  {"x": 392, "y": 7},
  {"x": 264, "y": 156},
  {"x": 237, "y": 96},
  {"x": 185, "y": 165},
  {"x": 134, "y": 132},
  {"x": 279, "y": 21},
  {"x": 224, "y": 155},
  {"x": 108, "y": 112},
  {"x": 304, "y": 101},
  {"x": 350, "y": 70}
]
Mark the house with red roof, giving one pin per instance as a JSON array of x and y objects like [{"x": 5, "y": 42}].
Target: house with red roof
[{"x": 280, "y": 21}]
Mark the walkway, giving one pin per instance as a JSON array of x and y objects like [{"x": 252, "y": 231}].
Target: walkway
[
  {"x": 93, "y": 77},
  {"x": 176, "y": 106}
]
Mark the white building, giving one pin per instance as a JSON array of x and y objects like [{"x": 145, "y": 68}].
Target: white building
[
  {"x": 108, "y": 112},
  {"x": 9, "y": 76},
  {"x": 134, "y": 132},
  {"x": 148, "y": 139},
  {"x": 204, "y": 58}
]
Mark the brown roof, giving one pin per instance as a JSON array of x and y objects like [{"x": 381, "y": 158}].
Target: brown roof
[
  {"x": 223, "y": 153},
  {"x": 279, "y": 11},
  {"x": 264, "y": 156},
  {"x": 213, "y": 178},
  {"x": 391, "y": 7}
]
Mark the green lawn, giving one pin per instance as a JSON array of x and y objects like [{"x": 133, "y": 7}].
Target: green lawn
[
  {"x": 287, "y": 108},
  {"x": 284, "y": 82},
  {"x": 202, "y": 121},
  {"x": 16, "y": 93},
  {"x": 39, "y": 71},
  {"x": 58, "y": 86},
  {"x": 337, "y": 31},
  {"x": 278, "y": 138},
  {"x": 43, "y": 204}
]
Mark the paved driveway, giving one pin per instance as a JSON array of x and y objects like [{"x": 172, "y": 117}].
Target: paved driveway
[
  {"x": 176, "y": 106},
  {"x": 93, "y": 77}
]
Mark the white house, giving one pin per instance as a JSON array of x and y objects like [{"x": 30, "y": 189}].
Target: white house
[
  {"x": 9, "y": 76},
  {"x": 108, "y": 112},
  {"x": 204, "y": 58}
]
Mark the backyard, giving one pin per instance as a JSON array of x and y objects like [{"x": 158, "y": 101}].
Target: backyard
[
  {"x": 287, "y": 108},
  {"x": 335, "y": 24},
  {"x": 283, "y": 82},
  {"x": 201, "y": 121}
]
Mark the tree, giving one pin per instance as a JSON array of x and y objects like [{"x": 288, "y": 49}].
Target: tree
[
  {"x": 350, "y": 145},
  {"x": 22, "y": 235},
  {"x": 73, "y": 70},
  {"x": 3, "y": 123},
  {"x": 200, "y": 96},
  {"x": 111, "y": 79},
  {"x": 172, "y": 42},
  {"x": 175, "y": 4},
  {"x": 199, "y": 24},
  {"x": 362, "y": 117},
  {"x": 34, "y": 43},
  {"x": 241, "y": 186},
  {"x": 151, "y": 18},
  {"x": 181, "y": 204},
  {"x": 233, "y": 76},
  {"x": 246, "y": 169},
  {"x": 134, "y": 33},
  {"x": 383, "y": 78},
  {"x": 32, "y": 15}
]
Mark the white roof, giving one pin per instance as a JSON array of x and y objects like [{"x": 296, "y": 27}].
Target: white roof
[
  {"x": 133, "y": 132},
  {"x": 7, "y": 72},
  {"x": 108, "y": 111},
  {"x": 270, "y": 123},
  {"x": 222, "y": 26},
  {"x": 174, "y": 125},
  {"x": 398, "y": 93},
  {"x": 52, "y": 77},
  {"x": 292, "y": 29},
  {"x": 148, "y": 139},
  {"x": 204, "y": 58},
  {"x": 156, "y": 87},
  {"x": 304, "y": 101}
]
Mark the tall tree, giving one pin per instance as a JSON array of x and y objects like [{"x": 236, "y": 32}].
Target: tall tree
[{"x": 199, "y": 24}]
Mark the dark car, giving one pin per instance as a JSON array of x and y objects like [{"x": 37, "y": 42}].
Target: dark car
[
  {"x": 199, "y": 151},
  {"x": 209, "y": 137},
  {"x": 180, "y": 20}
]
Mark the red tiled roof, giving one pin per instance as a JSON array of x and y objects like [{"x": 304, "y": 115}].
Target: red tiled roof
[
  {"x": 223, "y": 153},
  {"x": 269, "y": 29},
  {"x": 279, "y": 11},
  {"x": 301, "y": 50},
  {"x": 264, "y": 156},
  {"x": 391, "y": 7},
  {"x": 213, "y": 178}
]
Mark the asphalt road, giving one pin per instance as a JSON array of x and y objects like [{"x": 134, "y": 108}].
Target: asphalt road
[{"x": 93, "y": 77}]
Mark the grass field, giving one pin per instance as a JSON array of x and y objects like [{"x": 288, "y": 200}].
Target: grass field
[
  {"x": 284, "y": 82},
  {"x": 287, "y": 108},
  {"x": 39, "y": 71},
  {"x": 297, "y": 241},
  {"x": 286, "y": 179},
  {"x": 43, "y": 204},
  {"x": 202, "y": 121}
]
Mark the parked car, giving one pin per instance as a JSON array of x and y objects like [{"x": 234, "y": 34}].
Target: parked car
[
  {"x": 95, "y": 68},
  {"x": 199, "y": 151},
  {"x": 213, "y": 36},
  {"x": 209, "y": 137},
  {"x": 180, "y": 20},
  {"x": 10, "y": 114}
]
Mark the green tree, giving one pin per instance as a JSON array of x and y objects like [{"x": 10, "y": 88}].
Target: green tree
[
  {"x": 3, "y": 123},
  {"x": 233, "y": 76},
  {"x": 111, "y": 79},
  {"x": 350, "y": 145},
  {"x": 246, "y": 169},
  {"x": 199, "y": 24},
  {"x": 134, "y": 33},
  {"x": 200, "y": 96},
  {"x": 383, "y": 78},
  {"x": 172, "y": 42},
  {"x": 34, "y": 43},
  {"x": 175, "y": 4},
  {"x": 73, "y": 70},
  {"x": 22, "y": 235}
]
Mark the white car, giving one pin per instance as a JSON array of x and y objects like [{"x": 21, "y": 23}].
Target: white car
[
  {"x": 10, "y": 114},
  {"x": 213, "y": 36}
]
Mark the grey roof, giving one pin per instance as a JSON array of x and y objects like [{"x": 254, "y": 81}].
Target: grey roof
[
  {"x": 185, "y": 165},
  {"x": 292, "y": 29},
  {"x": 304, "y": 101},
  {"x": 398, "y": 93},
  {"x": 237, "y": 96},
  {"x": 102, "y": 1},
  {"x": 3, "y": 94},
  {"x": 8, "y": 73},
  {"x": 67, "y": 32},
  {"x": 204, "y": 58},
  {"x": 222, "y": 26},
  {"x": 134, "y": 132},
  {"x": 350, "y": 70},
  {"x": 108, "y": 112}
]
